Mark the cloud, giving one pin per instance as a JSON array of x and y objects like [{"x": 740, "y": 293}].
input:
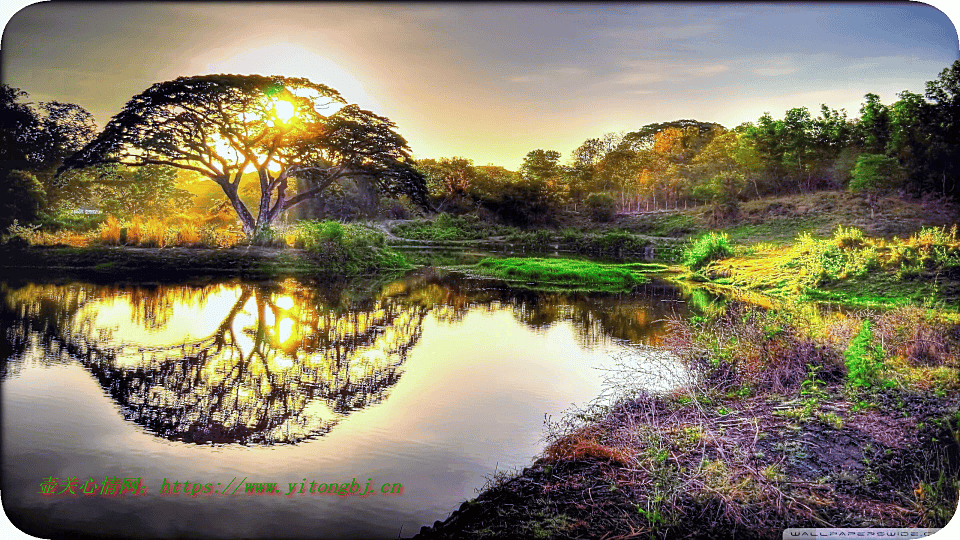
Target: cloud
[
  {"x": 652, "y": 72},
  {"x": 774, "y": 72},
  {"x": 525, "y": 78},
  {"x": 775, "y": 67},
  {"x": 570, "y": 71},
  {"x": 660, "y": 33}
]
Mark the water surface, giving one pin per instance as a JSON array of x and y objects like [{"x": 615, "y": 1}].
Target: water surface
[{"x": 433, "y": 382}]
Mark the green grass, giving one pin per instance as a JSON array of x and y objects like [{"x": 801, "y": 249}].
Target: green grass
[
  {"x": 779, "y": 231},
  {"x": 567, "y": 273},
  {"x": 446, "y": 228},
  {"x": 347, "y": 249},
  {"x": 705, "y": 248}
]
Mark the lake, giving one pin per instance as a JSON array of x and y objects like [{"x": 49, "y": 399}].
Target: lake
[{"x": 420, "y": 388}]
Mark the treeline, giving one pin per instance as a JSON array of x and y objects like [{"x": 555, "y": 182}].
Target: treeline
[
  {"x": 910, "y": 146},
  {"x": 35, "y": 141}
]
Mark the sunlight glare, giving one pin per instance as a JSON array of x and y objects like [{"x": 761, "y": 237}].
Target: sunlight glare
[
  {"x": 296, "y": 61},
  {"x": 284, "y": 110}
]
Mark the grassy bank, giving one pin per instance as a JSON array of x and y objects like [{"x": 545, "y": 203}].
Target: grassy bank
[
  {"x": 794, "y": 418},
  {"x": 325, "y": 250},
  {"x": 565, "y": 273},
  {"x": 849, "y": 268}
]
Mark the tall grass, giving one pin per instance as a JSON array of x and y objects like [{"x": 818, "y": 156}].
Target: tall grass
[
  {"x": 706, "y": 248},
  {"x": 174, "y": 232},
  {"x": 851, "y": 254}
]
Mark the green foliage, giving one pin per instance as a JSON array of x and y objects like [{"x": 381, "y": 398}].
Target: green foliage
[
  {"x": 21, "y": 198},
  {"x": 876, "y": 173},
  {"x": 602, "y": 206},
  {"x": 148, "y": 191},
  {"x": 563, "y": 272},
  {"x": 705, "y": 248},
  {"x": 864, "y": 359},
  {"x": 850, "y": 254},
  {"x": 350, "y": 249},
  {"x": 445, "y": 227}
]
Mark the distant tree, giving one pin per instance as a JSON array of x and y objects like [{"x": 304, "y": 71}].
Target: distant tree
[
  {"x": 21, "y": 198},
  {"x": 276, "y": 128},
  {"x": 722, "y": 192},
  {"x": 875, "y": 174},
  {"x": 536, "y": 193},
  {"x": 150, "y": 191},
  {"x": 941, "y": 120},
  {"x": 448, "y": 180},
  {"x": 541, "y": 166},
  {"x": 831, "y": 135},
  {"x": 872, "y": 131},
  {"x": 36, "y": 141}
]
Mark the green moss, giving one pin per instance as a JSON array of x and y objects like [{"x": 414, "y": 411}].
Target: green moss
[{"x": 567, "y": 273}]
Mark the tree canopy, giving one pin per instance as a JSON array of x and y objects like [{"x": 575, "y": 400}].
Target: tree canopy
[{"x": 274, "y": 128}]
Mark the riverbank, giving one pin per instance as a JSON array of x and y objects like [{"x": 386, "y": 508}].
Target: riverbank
[
  {"x": 794, "y": 420},
  {"x": 174, "y": 264},
  {"x": 801, "y": 415},
  {"x": 748, "y": 472}
]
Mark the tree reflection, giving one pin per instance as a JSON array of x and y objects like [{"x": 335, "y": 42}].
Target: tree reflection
[
  {"x": 279, "y": 366},
  {"x": 272, "y": 364}
]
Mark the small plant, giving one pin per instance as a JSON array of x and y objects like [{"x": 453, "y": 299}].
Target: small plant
[
  {"x": 110, "y": 231},
  {"x": 706, "y": 248},
  {"x": 863, "y": 359},
  {"x": 831, "y": 420},
  {"x": 773, "y": 473}
]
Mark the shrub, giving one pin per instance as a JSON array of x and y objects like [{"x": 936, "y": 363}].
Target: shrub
[
  {"x": 705, "y": 248},
  {"x": 602, "y": 206},
  {"x": 110, "y": 231},
  {"x": 347, "y": 249}
]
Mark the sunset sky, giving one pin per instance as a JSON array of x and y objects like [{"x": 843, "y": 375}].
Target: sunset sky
[{"x": 492, "y": 82}]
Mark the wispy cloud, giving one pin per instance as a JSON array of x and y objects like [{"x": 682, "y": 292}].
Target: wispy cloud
[
  {"x": 548, "y": 75},
  {"x": 660, "y": 33},
  {"x": 654, "y": 72},
  {"x": 570, "y": 71}
]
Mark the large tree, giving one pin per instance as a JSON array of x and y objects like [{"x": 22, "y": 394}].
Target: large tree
[{"x": 271, "y": 128}]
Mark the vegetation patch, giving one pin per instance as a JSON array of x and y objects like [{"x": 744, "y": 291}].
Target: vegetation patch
[
  {"x": 783, "y": 425},
  {"x": 852, "y": 268},
  {"x": 706, "y": 248},
  {"x": 350, "y": 249},
  {"x": 445, "y": 228},
  {"x": 566, "y": 273}
]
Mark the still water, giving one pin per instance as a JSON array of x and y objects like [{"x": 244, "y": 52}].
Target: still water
[{"x": 422, "y": 387}]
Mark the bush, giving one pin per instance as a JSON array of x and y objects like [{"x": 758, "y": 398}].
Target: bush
[
  {"x": 602, "y": 206},
  {"x": 705, "y": 248},
  {"x": 743, "y": 346},
  {"x": 401, "y": 208},
  {"x": 347, "y": 249}
]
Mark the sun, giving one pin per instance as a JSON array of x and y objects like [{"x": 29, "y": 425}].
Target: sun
[
  {"x": 284, "y": 110},
  {"x": 294, "y": 61}
]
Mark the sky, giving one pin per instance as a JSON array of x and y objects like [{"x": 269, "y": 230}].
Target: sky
[{"x": 491, "y": 82}]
